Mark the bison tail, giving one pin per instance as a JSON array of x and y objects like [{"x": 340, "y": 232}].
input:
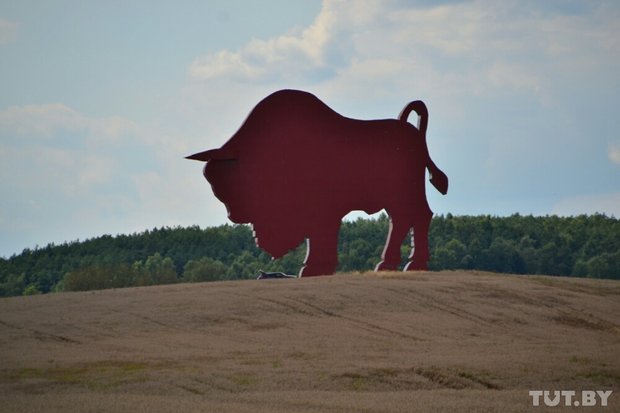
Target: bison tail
[
  {"x": 418, "y": 107},
  {"x": 437, "y": 177}
]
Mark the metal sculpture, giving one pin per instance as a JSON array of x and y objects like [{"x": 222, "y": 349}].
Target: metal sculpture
[{"x": 295, "y": 168}]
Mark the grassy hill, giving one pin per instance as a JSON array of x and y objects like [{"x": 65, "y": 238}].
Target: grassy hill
[{"x": 387, "y": 342}]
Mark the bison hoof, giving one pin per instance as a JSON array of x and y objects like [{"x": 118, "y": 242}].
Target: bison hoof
[
  {"x": 384, "y": 266},
  {"x": 416, "y": 266},
  {"x": 313, "y": 271}
]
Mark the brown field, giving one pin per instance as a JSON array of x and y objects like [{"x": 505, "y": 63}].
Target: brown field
[{"x": 423, "y": 342}]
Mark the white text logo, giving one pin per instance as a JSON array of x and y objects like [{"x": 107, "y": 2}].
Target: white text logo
[{"x": 570, "y": 398}]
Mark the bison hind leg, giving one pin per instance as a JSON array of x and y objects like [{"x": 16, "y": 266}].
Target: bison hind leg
[
  {"x": 418, "y": 260},
  {"x": 399, "y": 226},
  {"x": 322, "y": 253}
]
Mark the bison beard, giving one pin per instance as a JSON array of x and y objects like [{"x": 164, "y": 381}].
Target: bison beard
[{"x": 295, "y": 168}]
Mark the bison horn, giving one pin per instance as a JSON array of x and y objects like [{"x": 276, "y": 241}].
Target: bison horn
[{"x": 213, "y": 155}]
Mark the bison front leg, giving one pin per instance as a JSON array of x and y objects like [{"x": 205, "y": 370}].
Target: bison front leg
[
  {"x": 418, "y": 260},
  {"x": 322, "y": 253},
  {"x": 390, "y": 259}
]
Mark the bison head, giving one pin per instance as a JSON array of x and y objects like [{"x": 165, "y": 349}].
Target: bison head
[{"x": 250, "y": 199}]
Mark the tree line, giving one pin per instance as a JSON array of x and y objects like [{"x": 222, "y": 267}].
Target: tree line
[{"x": 581, "y": 246}]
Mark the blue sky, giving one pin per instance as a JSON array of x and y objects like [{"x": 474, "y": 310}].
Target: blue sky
[{"x": 100, "y": 101}]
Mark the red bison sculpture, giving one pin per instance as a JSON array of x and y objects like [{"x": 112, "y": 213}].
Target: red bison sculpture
[{"x": 295, "y": 168}]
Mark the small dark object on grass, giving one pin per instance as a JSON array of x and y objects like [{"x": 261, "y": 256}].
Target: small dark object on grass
[{"x": 269, "y": 275}]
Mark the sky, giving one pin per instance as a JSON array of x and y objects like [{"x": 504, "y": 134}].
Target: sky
[{"x": 101, "y": 101}]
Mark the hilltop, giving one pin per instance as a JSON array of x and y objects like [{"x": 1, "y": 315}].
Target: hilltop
[{"x": 446, "y": 341}]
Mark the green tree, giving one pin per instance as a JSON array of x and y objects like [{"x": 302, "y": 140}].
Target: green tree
[
  {"x": 13, "y": 285},
  {"x": 578, "y": 246},
  {"x": 86, "y": 279},
  {"x": 204, "y": 269},
  {"x": 245, "y": 266},
  {"x": 605, "y": 265},
  {"x": 289, "y": 263},
  {"x": 355, "y": 256},
  {"x": 155, "y": 270},
  {"x": 32, "y": 289}
]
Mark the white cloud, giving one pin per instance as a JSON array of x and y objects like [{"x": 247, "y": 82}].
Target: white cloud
[
  {"x": 298, "y": 51},
  {"x": 476, "y": 47},
  {"x": 73, "y": 176},
  {"x": 224, "y": 63},
  {"x": 40, "y": 120},
  {"x": 37, "y": 170},
  {"x": 61, "y": 166},
  {"x": 7, "y": 31},
  {"x": 47, "y": 120},
  {"x": 112, "y": 128},
  {"x": 505, "y": 75},
  {"x": 614, "y": 153},
  {"x": 68, "y": 171}
]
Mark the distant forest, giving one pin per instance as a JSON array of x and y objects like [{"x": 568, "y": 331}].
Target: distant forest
[{"x": 582, "y": 246}]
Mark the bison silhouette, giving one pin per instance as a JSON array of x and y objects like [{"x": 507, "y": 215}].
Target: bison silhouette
[{"x": 295, "y": 168}]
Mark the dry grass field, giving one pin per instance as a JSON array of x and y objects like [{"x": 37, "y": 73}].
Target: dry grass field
[{"x": 387, "y": 342}]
